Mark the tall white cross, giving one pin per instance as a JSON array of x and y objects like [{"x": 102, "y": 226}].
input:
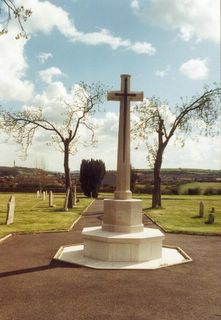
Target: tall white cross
[{"x": 123, "y": 160}]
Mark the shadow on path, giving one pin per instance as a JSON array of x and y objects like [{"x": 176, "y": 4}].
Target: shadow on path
[{"x": 52, "y": 265}]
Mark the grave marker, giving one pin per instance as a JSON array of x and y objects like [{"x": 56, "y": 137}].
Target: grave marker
[
  {"x": 66, "y": 199},
  {"x": 75, "y": 195},
  {"x": 51, "y": 199},
  {"x": 211, "y": 217},
  {"x": 201, "y": 209},
  {"x": 10, "y": 210}
]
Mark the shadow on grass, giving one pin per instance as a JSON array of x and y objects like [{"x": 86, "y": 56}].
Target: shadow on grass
[
  {"x": 57, "y": 210},
  {"x": 52, "y": 265},
  {"x": 174, "y": 199},
  {"x": 150, "y": 208},
  {"x": 196, "y": 217}
]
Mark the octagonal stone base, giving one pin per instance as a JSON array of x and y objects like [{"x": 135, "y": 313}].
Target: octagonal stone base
[
  {"x": 74, "y": 254},
  {"x": 113, "y": 246}
]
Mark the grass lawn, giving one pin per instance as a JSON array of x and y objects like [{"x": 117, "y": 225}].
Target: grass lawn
[
  {"x": 34, "y": 215},
  {"x": 177, "y": 214}
]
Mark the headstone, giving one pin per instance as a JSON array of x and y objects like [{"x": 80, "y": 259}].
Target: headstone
[
  {"x": 211, "y": 217},
  {"x": 66, "y": 200},
  {"x": 51, "y": 199},
  {"x": 201, "y": 209},
  {"x": 38, "y": 194},
  {"x": 75, "y": 195},
  {"x": 10, "y": 210},
  {"x": 44, "y": 195}
]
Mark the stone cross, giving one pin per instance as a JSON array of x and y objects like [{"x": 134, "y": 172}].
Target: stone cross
[
  {"x": 44, "y": 195},
  {"x": 38, "y": 194},
  {"x": 51, "y": 199},
  {"x": 123, "y": 160},
  {"x": 11, "y": 210}
]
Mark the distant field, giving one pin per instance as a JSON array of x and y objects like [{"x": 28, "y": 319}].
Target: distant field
[
  {"x": 177, "y": 214},
  {"x": 191, "y": 188},
  {"x": 203, "y": 186},
  {"x": 34, "y": 215}
]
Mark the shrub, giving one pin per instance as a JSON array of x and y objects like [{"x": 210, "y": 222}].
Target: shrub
[
  {"x": 212, "y": 191},
  {"x": 91, "y": 174},
  {"x": 194, "y": 191}
]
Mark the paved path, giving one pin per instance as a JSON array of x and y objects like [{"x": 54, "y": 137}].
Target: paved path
[{"x": 32, "y": 287}]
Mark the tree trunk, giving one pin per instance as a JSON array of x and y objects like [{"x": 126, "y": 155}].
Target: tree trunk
[
  {"x": 156, "y": 196},
  {"x": 67, "y": 174}
]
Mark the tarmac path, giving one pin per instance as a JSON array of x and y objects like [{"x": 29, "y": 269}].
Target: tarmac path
[{"x": 34, "y": 287}]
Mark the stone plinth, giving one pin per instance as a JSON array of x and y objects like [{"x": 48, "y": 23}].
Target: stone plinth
[
  {"x": 122, "y": 215},
  {"x": 75, "y": 254},
  {"x": 113, "y": 246}
]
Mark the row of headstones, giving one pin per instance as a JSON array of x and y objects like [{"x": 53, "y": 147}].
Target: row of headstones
[
  {"x": 11, "y": 204},
  {"x": 45, "y": 193},
  {"x": 211, "y": 216}
]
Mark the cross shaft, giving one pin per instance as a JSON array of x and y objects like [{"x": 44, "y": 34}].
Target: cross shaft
[{"x": 123, "y": 163}]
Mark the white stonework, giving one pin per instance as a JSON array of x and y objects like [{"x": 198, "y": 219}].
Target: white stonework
[
  {"x": 122, "y": 215},
  {"x": 113, "y": 246},
  {"x": 75, "y": 254},
  {"x": 123, "y": 156},
  {"x": 122, "y": 241}
]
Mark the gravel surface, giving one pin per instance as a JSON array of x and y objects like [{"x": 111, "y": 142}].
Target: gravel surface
[{"x": 34, "y": 287}]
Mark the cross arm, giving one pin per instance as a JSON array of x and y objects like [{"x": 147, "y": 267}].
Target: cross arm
[
  {"x": 136, "y": 96},
  {"x": 113, "y": 95}
]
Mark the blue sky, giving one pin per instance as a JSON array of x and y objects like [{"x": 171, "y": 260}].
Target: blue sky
[{"x": 170, "y": 48}]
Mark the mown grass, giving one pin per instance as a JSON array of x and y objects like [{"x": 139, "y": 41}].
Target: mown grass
[
  {"x": 34, "y": 215},
  {"x": 179, "y": 213}
]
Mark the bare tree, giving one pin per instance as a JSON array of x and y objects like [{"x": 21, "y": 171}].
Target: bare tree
[
  {"x": 19, "y": 13},
  {"x": 76, "y": 113},
  {"x": 197, "y": 116}
]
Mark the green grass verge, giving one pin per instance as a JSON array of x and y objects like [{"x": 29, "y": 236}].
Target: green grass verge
[
  {"x": 178, "y": 212},
  {"x": 34, "y": 215}
]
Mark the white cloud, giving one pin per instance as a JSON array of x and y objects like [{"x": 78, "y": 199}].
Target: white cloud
[
  {"x": 195, "y": 69},
  {"x": 104, "y": 36},
  {"x": 13, "y": 66},
  {"x": 48, "y": 74},
  {"x": 135, "y": 5},
  {"x": 194, "y": 19},
  {"x": 13, "y": 63},
  {"x": 44, "y": 56},
  {"x": 143, "y": 48},
  {"x": 163, "y": 73},
  {"x": 59, "y": 18},
  {"x": 193, "y": 154}
]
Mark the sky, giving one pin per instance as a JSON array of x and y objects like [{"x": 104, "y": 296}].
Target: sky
[{"x": 169, "y": 47}]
